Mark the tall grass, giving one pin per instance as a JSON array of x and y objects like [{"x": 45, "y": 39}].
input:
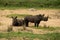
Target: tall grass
[
  {"x": 49, "y": 28},
  {"x": 48, "y": 36},
  {"x": 18, "y": 15},
  {"x": 31, "y": 3}
]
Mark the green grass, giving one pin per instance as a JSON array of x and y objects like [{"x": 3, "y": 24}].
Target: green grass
[
  {"x": 48, "y": 36},
  {"x": 46, "y": 28},
  {"x": 11, "y": 7},
  {"x": 30, "y": 3},
  {"x": 16, "y": 7},
  {"x": 18, "y": 15}
]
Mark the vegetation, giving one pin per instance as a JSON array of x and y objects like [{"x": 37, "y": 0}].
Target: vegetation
[
  {"x": 18, "y": 15},
  {"x": 48, "y": 36},
  {"x": 10, "y": 29},
  {"x": 30, "y": 3},
  {"x": 49, "y": 28}
]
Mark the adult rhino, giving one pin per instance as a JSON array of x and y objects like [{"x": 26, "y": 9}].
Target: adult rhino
[
  {"x": 35, "y": 19},
  {"x": 17, "y": 22}
]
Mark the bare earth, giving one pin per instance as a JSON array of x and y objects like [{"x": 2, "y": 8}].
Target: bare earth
[{"x": 53, "y": 22}]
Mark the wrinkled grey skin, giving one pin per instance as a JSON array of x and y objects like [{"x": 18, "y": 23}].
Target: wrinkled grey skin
[
  {"x": 17, "y": 22},
  {"x": 35, "y": 19}
]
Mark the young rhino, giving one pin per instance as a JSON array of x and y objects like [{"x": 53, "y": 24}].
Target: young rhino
[{"x": 17, "y": 22}]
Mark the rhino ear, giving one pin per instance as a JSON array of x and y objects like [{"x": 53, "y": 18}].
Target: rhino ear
[
  {"x": 16, "y": 17},
  {"x": 43, "y": 14},
  {"x": 48, "y": 17},
  {"x": 12, "y": 17}
]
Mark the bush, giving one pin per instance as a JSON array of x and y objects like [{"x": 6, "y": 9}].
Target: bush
[
  {"x": 10, "y": 29},
  {"x": 31, "y": 3}
]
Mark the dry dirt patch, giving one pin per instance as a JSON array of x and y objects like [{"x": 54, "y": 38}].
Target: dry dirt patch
[{"x": 51, "y": 22}]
